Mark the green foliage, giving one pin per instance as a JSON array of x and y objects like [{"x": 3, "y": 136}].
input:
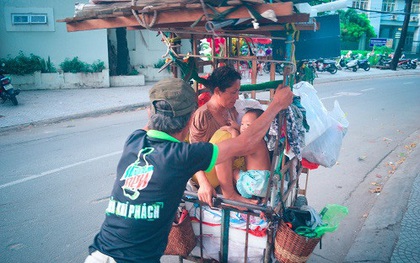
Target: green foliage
[
  {"x": 384, "y": 50},
  {"x": 318, "y": 2},
  {"x": 47, "y": 66},
  {"x": 159, "y": 64},
  {"x": 353, "y": 26},
  {"x": 133, "y": 72},
  {"x": 22, "y": 64},
  {"x": 75, "y": 65},
  {"x": 373, "y": 56},
  {"x": 98, "y": 66}
]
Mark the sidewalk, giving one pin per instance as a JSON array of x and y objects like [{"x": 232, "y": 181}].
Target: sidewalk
[{"x": 391, "y": 232}]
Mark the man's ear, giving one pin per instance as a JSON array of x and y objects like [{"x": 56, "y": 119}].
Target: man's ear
[{"x": 217, "y": 91}]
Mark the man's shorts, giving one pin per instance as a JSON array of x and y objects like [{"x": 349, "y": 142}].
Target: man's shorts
[{"x": 253, "y": 183}]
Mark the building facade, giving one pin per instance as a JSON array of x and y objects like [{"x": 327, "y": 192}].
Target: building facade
[
  {"x": 31, "y": 26},
  {"x": 387, "y": 17}
]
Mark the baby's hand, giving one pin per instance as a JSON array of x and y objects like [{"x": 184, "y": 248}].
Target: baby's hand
[{"x": 234, "y": 124}]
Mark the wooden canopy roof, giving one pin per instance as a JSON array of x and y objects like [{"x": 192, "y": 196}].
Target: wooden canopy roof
[{"x": 254, "y": 17}]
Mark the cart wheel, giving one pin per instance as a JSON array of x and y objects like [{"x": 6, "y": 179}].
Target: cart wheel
[{"x": 300, "y": 201}]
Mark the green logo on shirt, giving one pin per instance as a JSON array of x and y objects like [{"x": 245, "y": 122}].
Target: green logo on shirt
[{"x": 137, "y": 176}]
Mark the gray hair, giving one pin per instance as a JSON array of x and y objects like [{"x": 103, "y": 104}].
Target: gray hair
[{"x": 164, "y": 122}]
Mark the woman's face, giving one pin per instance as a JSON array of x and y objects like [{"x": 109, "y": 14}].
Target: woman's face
[{"x": 228, "y": 98}]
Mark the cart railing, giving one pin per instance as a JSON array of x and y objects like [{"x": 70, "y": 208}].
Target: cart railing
[{"x": 271, "y": 210}]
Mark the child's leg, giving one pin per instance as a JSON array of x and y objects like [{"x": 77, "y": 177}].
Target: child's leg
[{"x": 236, "y": 175}]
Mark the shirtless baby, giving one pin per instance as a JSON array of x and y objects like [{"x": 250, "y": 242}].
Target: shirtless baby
[{"x": 253, "y": 181}]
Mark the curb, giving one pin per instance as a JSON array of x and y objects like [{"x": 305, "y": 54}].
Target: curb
[
  {"x": 393, "y": 73},
  {"x": 93, "y": 113}
]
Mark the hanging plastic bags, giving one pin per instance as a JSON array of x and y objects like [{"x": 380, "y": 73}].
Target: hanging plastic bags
[
  {"x": 327, "y": 129},
  {"x": 316, "y": 113},
  {"x": 325, "y": 149}
]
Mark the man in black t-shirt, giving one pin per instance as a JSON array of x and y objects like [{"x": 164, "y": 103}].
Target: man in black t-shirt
[{"x": 154, "y": 168}]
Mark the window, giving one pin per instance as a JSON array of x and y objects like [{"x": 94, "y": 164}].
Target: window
[
  {"x": 360, "y": 4},
  {"x": 39, "y": 19},
  {"x": 34, "y": 19},
  {"x": 415, "y": 7},
  {"x": 388, "y": 5},
  {"x": 25, "y": 19},
  {"x": 20, "y": 19}
]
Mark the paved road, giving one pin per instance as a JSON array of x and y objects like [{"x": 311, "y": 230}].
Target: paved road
[{"x": 395, "y": 227}]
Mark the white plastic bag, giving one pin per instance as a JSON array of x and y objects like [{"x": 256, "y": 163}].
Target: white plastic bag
[
  {"x": 316, "y": 114},
  {"x": 325, "y": 149}
]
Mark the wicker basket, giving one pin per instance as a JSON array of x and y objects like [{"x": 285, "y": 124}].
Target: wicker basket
[
  {"x": 181, "y": 240},
  {"x": 290, "y": 247}
]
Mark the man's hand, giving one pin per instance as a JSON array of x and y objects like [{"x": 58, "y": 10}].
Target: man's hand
[
  {"x": 283, "y": 96},
  {"x": 206, "y": 192}
]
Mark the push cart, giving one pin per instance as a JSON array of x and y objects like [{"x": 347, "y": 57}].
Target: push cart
[{"x": 180, "y": 22}]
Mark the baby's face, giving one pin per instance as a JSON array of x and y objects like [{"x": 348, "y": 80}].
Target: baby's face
[{"x": 247, "y": 120}]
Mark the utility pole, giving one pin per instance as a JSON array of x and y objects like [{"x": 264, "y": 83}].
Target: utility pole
[{"x": 400, "y": 46}]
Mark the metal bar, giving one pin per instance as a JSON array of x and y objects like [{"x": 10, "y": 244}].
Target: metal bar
[
  {"x": 219, "y": 34},
  {"x": 241, "y": 58},
  {"x": 224, "y": 245},
  {"x": 201, "y": 232},
  {"x": 220, "y": 201},
  {"x": 246, "y": 239}
]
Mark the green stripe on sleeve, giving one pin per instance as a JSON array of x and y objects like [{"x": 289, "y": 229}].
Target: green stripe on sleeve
[{"x": 213, "y": 158}]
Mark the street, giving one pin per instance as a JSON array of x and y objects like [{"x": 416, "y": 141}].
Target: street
[{"x": 55, "y": 179}]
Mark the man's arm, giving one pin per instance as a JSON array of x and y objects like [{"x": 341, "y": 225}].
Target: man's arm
[{"x": 246, "y": 141}]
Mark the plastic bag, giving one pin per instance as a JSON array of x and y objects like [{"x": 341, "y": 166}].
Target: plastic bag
[
  {"x": 325, "y": 149},
  {"x": 326, "y": 129},
  {"x": 316, "y": 114},
  {"x": 331, "y": 216}
]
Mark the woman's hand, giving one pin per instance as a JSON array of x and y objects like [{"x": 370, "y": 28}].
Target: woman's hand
[{"x": 283, "y": 96}]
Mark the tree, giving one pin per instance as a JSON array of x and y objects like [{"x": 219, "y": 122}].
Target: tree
[
  {"x": 353, "y": 26},
  {"x": 400, "y": 46}
]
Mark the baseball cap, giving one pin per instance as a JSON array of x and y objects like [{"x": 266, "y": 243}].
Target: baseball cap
[{"x": 177, "y": 93}]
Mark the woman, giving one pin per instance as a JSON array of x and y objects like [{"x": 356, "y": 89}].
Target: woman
[{"x": 219, "y": 111}]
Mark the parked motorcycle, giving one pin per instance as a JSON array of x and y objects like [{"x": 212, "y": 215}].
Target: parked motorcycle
[
  {"x": 278, "y": 70},
  {"x": 7, "y": 92},
  {"x": 352, "y": 64},
  {"x": 384, "y": 62},
  {"x": 414, "y": 63},
  {"x": 342, "y": 62},
  {"x": 328, "y": 65},
  {"x": 364, "y": 64},
  {"x": 406, "y": 63}
]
